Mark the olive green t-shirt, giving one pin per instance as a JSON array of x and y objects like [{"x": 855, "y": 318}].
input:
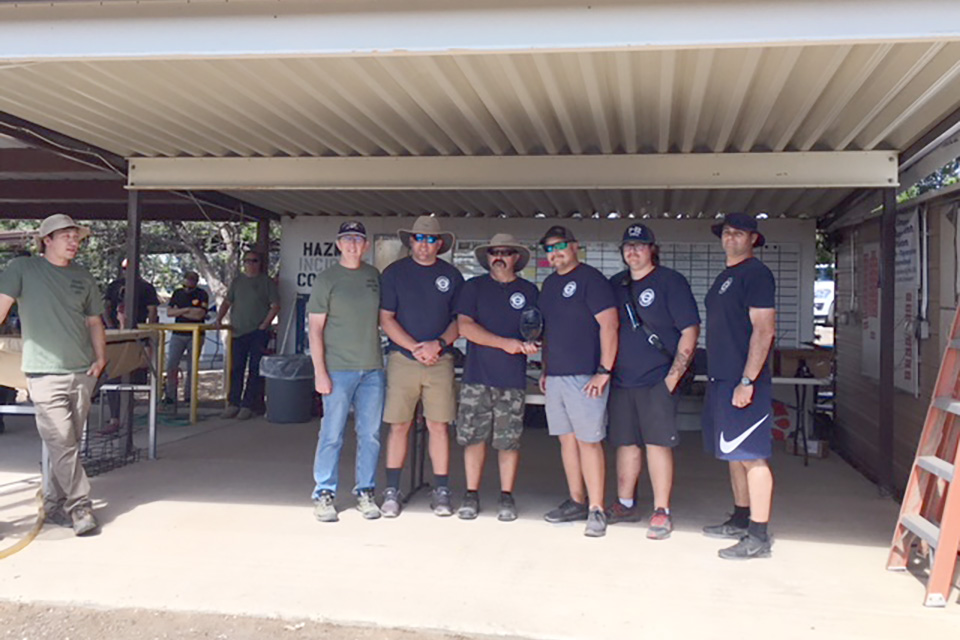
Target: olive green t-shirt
[
  {"x": 54, "y": 304},
  {"x": 250, "y": 300},
  {"x": 351, "y": 300}
]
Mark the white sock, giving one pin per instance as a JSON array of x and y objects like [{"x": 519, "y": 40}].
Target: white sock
[{"x": 628, "y": 503}]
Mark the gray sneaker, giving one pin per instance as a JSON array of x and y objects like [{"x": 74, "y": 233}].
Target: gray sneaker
[
  {"x": 750, "y": 546},
  {"x": 469, "y": 506},
  {"x": 391, "y": 506},
  {"x": 83, "y": 521},
  {"x": 323, "y": 509},
  {"x": 726, "y": 530},
  {"x": 367, "y": 504},
  {"x": 440, "y": 502},
  {"x": 244, "y": 414},
  {"x": 230, "y": 412},
  {"x": 507, "y": 509},
  {"x": 568, "y": 511},
  {"x": 58, "y": 517},
  {"x": 596, "y": 524}
]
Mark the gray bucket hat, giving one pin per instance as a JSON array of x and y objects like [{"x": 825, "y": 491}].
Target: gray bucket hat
[
  {"x": 502, "y": 240},
  {"x": 56, "y": 222},
  {"x": 430, "y": 226}
]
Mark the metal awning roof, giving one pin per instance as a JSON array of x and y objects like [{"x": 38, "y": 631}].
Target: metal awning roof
[{"x": 857, "y": 93}]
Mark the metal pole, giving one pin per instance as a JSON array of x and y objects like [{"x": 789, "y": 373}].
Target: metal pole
[
  {"x": 130, "y": 297},
  {"x": 263, "y": 241},
  {"x": 888, "y": 241}
]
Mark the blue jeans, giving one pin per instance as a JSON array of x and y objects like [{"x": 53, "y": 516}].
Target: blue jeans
[
  {"x": 364, "y": 391},
  {"x": 247, "y": 351}
]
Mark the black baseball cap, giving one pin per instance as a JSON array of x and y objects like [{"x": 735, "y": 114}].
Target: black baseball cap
[
  {"x": 559, "y": 232},
  {"x": 638, "y": 233},
  {"x": 740, "y": 221},
  {"x": 352, "y": 229}
]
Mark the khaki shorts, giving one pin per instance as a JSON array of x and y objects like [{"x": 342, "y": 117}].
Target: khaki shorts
[{"x": 409, "y": 381}]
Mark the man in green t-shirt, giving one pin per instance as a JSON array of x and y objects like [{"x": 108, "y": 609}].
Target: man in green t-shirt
[
  {"x": 253, "y": 302},
  {"x": 64, "y": 352},
  {"x": 344, "y": 311}
]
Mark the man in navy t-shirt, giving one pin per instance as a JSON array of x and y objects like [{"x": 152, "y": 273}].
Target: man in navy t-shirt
[
  {"x": 737, "y": 412},
  {"x": 418, "y": 298},
  {"x": 659, "y": 326},
  {"x": 580, "y": 346},
  {"x": 493, "y": 389}
]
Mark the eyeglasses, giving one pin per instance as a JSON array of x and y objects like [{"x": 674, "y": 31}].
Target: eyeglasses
[
  {"x": 634, "y": 246},
  {"x": 251, "y": 260},
  {"x": 501, "y": 253},
  {"x": 353, "y": 238},
  {"x": 556, "y": 246},
  {"x": 422, "y": 237}
]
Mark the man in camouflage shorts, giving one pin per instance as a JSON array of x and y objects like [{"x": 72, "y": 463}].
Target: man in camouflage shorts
[{"x": 493, "y": 392}]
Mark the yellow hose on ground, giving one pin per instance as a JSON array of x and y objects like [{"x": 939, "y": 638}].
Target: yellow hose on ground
[{"x": 22, "y": 544}]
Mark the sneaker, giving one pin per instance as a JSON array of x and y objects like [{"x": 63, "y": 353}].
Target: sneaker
[
  {"x": 750, "y": 546},
  {"x": 568, "y": 511},
  {"x": 726, "y": 529},
  {"x": 58, "y": 517},
  {"x": 230, "y": 412},
  {"x": 391, "y": 506},
  {"x": 244, "y": 414},
  {"x": 323, "y": 509},
  {"x": 83, "y": 521},
  {"x": 469, "y": 506},
  {"x": 596, "y": 524},
  {"x": 661, "y": 525},
  {"x": 367, "y": 504},
  {"x": 111, "y": 428},
  {"x": 619, "y": 513},
  {"x": 440, "y": 502},
  {"x": 507, "y": 509}
]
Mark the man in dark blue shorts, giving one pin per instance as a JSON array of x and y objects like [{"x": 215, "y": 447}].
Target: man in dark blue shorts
[
  {"x": 737, "y": 412},
  {"x": 580, "y": 347},
  {"x": 659, "y": 326},
  {"x": 494, "y": 387}
]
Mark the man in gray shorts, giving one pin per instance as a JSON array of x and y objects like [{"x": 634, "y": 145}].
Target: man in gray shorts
[{"x": 580, "y": 347}]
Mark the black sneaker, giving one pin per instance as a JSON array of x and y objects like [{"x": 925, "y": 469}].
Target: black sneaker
[
  {"x": 469, "y": 506},
  {"x": 727, "y": 530},
  {"x": 507, "y": 509},
  {"x": 619, "y": 513},
  {"x": 568, "y": 511},
  {"x": 750, "y": 546}
]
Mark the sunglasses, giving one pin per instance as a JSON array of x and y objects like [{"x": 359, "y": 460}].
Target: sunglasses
[
  {"x": 422, "y": 237},
  {"x": 556, "y": 246},
  {"x": 501, "y": 253}
]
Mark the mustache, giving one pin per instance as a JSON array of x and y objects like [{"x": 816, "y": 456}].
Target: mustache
[{"x": 499, "y": 261}]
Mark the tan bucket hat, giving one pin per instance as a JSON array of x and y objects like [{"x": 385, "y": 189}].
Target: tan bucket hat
[
  {"x": 56, "y": 222},
  {"x": 502, "y": 240},
  {"x": 430, "y": 226}
]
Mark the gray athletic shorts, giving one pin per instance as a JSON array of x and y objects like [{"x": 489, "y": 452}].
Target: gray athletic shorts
[{"x": 570, "y": 410}]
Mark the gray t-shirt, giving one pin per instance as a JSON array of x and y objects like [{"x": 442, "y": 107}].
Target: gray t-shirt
[
  {"x": 250, "y": 300},
  {"x": 351, "y": 300},
  {"x": 54, "y": 303}
]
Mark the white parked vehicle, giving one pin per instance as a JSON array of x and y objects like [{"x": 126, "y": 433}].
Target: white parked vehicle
[{"x": 823, "y": 295}]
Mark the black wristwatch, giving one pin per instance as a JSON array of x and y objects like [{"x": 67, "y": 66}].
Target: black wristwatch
[
  {"x": 603, "y": 371},
  {"x": 442, "y": 343},
  {"x": 745, "y": 381}
]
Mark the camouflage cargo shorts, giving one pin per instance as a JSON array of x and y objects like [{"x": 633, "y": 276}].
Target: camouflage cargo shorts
[{"x": 487, "y": 413}]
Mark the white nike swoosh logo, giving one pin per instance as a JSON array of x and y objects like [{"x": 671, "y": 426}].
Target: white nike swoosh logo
[{"x": 728, "y": 446}]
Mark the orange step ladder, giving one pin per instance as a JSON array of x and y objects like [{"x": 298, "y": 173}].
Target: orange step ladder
[{"x": 930, "y": 513}]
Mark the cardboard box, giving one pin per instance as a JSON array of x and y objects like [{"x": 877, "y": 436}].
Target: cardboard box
[
  {"x": 815, "y": 448},
  {"x": 786, "y": 361}
]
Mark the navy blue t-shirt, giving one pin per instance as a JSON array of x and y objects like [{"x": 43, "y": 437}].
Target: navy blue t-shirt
[
  {"x": 496, "y": 306},
  {"x": 736, "y": 290},
  {"x": 570, "y": 331},
  {"x": 423, "y": 298},
  {"x": 666, "y": 306}
]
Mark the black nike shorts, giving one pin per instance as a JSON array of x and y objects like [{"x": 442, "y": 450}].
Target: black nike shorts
[{"x": 730, "y": 433}]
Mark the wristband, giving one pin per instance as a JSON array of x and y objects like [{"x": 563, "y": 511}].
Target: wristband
[
  {"x": 442, "y": 343},
  {"x": 603, "y": 371}
]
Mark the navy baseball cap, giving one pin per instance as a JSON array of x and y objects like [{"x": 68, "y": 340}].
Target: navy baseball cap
[
  {"x": 740, "y": 221},
  {"x": 352, "y": 229},
  {"x": 559, "y": 232},
  {"x": 638, "y": 233}
]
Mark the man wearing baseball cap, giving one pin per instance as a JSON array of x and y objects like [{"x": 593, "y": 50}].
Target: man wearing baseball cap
[
  {"x": 659, "y": 325},
  {"x": 580, "y": 347},
  {"x": 417, "y": 312},
  {"x": 737, "y": 410},
  {"x": 493, "y": 389},
  {"x": 344, "y": 312},
  {"x": 64, "y": 352}
]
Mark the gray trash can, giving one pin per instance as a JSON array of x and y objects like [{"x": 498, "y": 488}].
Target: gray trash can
[{"x": 289, "y": 387}]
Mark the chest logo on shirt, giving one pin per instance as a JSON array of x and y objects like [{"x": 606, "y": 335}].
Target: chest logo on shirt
[
  {"x": 647, "y": 297},
  {"x": 569, "y": 289},
  {"x": 518, "y": 300},
  {"x": 443, "y": 284},
  {"x": 726, "y": 285}
]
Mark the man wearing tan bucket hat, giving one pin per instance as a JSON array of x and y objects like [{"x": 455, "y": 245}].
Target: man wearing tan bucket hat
[
  {"x": 418, "y": 298},
  {"x": 493, "y": 389},
  {"x": 64, "y": 352}
]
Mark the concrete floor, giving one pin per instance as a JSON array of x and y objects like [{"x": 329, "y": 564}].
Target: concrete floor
[{"x": 223, "y": 523}]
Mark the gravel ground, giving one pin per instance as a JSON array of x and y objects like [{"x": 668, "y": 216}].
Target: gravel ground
[{"x": 36, "y": 622}]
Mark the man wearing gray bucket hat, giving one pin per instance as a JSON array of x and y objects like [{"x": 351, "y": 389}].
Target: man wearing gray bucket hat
[
  {"x": 418, "y": 298},
  {"x": 493, "y": 389},
  {"x": 64, "y": 352}
]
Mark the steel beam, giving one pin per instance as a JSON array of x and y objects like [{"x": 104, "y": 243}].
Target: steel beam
[
  {"x": 888, "y": 254},
  {"x": 261, "y": 28},
  {"x": 650, "y": 171}
]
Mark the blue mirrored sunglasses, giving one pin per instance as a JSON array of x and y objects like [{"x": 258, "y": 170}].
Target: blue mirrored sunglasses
[
  {"x": 422, "y": 237},
  {"x": 557, "y": 246}
]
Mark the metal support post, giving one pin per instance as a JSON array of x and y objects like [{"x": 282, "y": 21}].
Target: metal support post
[{"x": 888, "y": 241}]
